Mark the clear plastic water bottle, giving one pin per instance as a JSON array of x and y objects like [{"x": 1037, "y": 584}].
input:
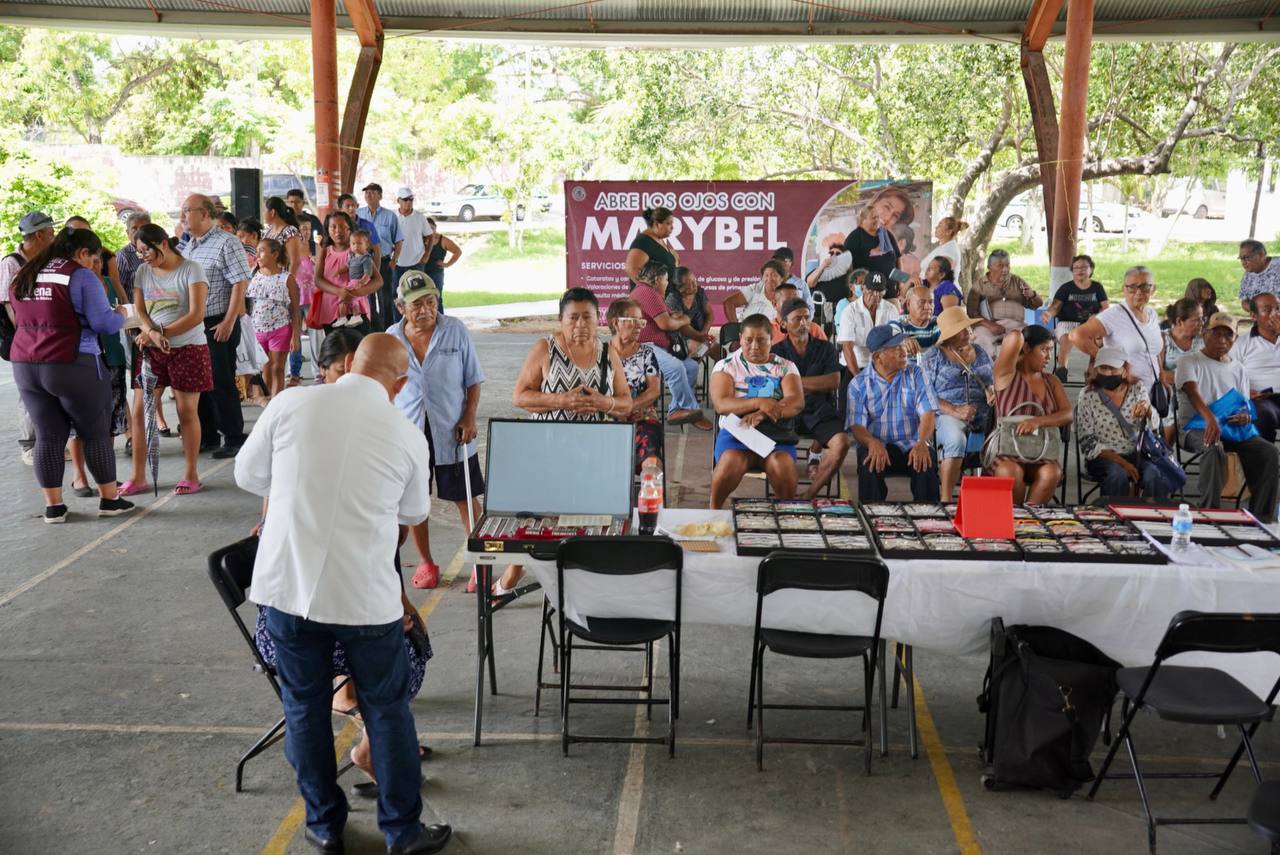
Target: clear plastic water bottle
[
  {"x": 1181, "y": 528},
  {"x": 649, "y": 502}
]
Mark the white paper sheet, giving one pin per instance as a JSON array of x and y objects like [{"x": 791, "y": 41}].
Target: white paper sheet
[{"x": 748, "y": 436}]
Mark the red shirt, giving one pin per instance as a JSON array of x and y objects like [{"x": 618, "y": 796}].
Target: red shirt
[{"x": 651, "y": 306}]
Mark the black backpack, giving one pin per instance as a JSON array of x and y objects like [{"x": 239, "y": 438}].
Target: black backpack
[
  {"x": 7, "y": 329},
  {"x": 1046, "y": 695}
]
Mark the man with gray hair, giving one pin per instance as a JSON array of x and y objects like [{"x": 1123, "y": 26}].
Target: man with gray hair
[
  {"x": 1261, "y": 272},
  {"x": 221, "y": 256},
  {"x": 127, "y": 259},
  {"x": 1000, "y": 300}
]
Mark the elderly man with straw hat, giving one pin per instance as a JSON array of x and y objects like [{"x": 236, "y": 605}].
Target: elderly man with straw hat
[{"x": 961, "y": 376}]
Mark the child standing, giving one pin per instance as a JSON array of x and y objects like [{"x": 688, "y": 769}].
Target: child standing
[{"x": 276, "y": 319}]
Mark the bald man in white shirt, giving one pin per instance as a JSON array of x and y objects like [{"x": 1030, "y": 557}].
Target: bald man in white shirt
[{"x": 343, "y": 469}]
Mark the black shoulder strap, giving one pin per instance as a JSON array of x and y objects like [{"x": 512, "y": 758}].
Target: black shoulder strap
[
  {"x": 1142, "y": 336},
  {"x": 605, "y": 387},
  {"x": 1128, "y": 428}
]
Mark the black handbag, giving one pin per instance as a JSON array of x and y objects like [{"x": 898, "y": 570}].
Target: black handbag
[
  {"x": 677, "y": 346},
  {"x": 1161, "y": 396},
  {"x": 1150, "y": 447}
]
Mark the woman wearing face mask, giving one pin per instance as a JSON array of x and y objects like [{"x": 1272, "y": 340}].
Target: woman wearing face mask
[
  {"x": 59, "y": 310},
  {"x": 1021, "y": 377},
  {"x": 1106, "y": 438}
]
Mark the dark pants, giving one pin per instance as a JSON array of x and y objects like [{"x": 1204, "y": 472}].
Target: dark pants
[
  {"x": 1268, "y": 416},
  {"x": 220, "y": 409},
  {"x": 437, "y": 276},
  {"x": 59, "y": 396},
  {"x": 1114, "y": 481},
  {"x": 380, "y": 670},
  {"x": 1258, "y": 458},
  {"x": 871, "y": 485},
  {"x": 382, "y": 301}
]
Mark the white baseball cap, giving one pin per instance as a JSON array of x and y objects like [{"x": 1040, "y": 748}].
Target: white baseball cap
[{"x": 404, "y": 193}]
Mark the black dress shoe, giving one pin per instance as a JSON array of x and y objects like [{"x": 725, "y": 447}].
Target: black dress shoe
[
  {"x": 325, "y": 844},
  {"x": 209, "y": 446},
  {"x": 432, "y": 838},
  {"x": 225, "y": 452}
]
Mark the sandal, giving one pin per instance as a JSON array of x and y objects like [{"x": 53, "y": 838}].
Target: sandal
[
  {"x": 186, "y": 488},
  {"x": 427, "y": 575},
  {"x": 293, "y": 381},
  {"x": 133, "y": 488}
]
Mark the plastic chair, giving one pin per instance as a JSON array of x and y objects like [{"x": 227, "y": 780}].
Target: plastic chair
[
  {"x": 822, "y": 574},
  {"x": 630, "y": 556},
  {"x": 1196, "y": 695},
  {"x": 1264, "y": 814}
]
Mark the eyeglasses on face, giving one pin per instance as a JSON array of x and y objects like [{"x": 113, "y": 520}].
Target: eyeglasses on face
[{"x": 1144, "y": 287}]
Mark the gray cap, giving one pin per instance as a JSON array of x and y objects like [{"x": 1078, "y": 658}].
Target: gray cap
[
  {"x": 1112, "y": 357},
  {"x": 36, "y": 221}
]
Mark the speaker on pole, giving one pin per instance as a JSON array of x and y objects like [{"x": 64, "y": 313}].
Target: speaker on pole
[{"x": 246, "y": 193}]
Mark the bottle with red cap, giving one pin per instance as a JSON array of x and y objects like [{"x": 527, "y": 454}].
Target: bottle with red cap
[{"x": 649, "y": 502}]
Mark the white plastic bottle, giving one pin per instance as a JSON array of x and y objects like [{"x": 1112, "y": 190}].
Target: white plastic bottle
[{"x": 1181, "y": 528}]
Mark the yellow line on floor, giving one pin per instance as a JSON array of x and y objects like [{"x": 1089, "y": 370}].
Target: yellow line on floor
[
  {"x": 628, "y": 821},
  {"x": 294, "y": 819},
  {"x": 134, "y": 519},
  {"x": 129, "y": 729},
  {"x": 961, "y": 827}
]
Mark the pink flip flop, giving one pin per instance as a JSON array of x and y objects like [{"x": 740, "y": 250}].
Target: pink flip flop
[
  {"x": 132, "y": 488},
  {"x": 186, "y": 488}
]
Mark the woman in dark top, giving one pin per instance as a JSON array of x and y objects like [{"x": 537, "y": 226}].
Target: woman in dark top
[
  {"x": 685, "y": 296},
  {"x": 651, "y": 244},
  {"x": 434, "y": 263},
  {"x": 866, "y": 246}
]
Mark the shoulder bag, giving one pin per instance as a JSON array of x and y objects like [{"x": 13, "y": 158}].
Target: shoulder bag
[
  {"x": 1150, "y": 447},
  {"x": 1039, "y": 445},
  {"x": 1161, "y": 396}
]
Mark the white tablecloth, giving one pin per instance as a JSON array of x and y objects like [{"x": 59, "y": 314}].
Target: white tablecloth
[{"x": 947, "y": 606}]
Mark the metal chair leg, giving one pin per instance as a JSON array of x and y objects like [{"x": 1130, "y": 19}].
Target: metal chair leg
[
  {"x": 751, "y": 689},
  {"x": 542, "y": 647},
  {"x": 648, "y": 686},
  {"x": 488, "y": 632},
  {"x": 760, "y": 711},
  {"x": 272, "y": 736},
  {"x": 566, "y": 655},
  {"x": 884, "y": 708},
  {"x": 897, "y": 673},
  {"x": 482, "y": 571},
  {"x": 868, "y": 688},
  {"x": 910, "y": 674},
  {"x": 1126, "y": 719},
  {"x": 1142, "y": 792}
]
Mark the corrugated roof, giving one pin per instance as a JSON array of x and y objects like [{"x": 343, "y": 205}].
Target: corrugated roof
[{"x": 609, "y": 21}]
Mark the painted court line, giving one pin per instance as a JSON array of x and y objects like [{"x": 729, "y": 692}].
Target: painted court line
[
  {"x": 628, "y": 822},
  {"x": 134, "y": 519},
  {"x": 294, "y": 819},
  {"x": 952, "y": 800}
]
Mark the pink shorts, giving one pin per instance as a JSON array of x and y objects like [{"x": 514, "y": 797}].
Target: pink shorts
[{"x": 278, "y": 340}]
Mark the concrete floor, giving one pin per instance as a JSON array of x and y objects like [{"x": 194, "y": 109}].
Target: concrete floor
[{"x": 128, "y": 697}]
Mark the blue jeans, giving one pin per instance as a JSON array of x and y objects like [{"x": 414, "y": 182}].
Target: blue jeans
[
  {"x": 676, "y": 375},
  {"x": 380, "y": 670},
  {"x": 1115, "y": 481}
]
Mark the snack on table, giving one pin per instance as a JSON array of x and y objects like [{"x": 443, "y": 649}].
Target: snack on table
[{"x": 713, "y": 528}]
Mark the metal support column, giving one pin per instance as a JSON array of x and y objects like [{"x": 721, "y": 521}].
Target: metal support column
[
  {"x": 324, "y": 76},
  {"x": 1072, "y": 127}
]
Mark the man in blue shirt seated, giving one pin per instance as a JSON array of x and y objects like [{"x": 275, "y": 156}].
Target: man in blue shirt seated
[
  {"x": 819, "y": 365},
  {"x": 892, "y": 410}
]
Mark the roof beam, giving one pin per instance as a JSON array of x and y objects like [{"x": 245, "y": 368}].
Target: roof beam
[
  {"x": 368, "y": 25},
  {"x": 1040, "y": 23}
]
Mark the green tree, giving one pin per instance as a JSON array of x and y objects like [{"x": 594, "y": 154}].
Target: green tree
[{"x": 29, "y": 182}]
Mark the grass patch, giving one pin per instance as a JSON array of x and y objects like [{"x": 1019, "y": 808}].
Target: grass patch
[
  {"x": 1177, "y": 264},
  {"x": 491, "y": 247},
  {"x": 466, "y": 299}
]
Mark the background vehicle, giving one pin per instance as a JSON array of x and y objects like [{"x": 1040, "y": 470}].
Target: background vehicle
[
  {"x": 1200, "y": 198},
  {"x": 479, "y": 200},
  {"x": 126, "y": 208}
]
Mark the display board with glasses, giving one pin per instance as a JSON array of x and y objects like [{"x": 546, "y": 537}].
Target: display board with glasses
[
  {"x": 822, "y": 525},
  {"x": 1209, "y": 526}
]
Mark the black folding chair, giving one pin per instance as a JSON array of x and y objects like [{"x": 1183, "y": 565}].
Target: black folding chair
[
  {"x": 633, "y": 557},
  {"x": 823, "y": 573},
  {"x": 231, "y": 571},
  {"x": 1196, "y": 695},
  {"x": 1095, "y": 488},
  {"x": 730, "y": 331}
]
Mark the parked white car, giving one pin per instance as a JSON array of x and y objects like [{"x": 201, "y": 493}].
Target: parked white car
[
  {"x": 1200, "y": 199},
  {"x": 1101, "y": 217},
  {"x": 479, "y": 200}
]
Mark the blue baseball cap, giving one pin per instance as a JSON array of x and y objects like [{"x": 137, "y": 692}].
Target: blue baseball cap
[{"x": 884, "y": 336}]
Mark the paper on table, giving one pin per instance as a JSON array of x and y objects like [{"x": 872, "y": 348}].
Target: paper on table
[{"x": 748, "y": 436}]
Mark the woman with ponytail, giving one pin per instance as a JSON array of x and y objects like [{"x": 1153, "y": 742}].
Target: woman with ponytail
[{"x": 60, "y": 309}]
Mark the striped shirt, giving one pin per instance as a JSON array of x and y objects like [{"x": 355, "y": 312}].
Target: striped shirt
[
  {"x": 127, "y": 261},
  {"x": 890, "y": 410},
  {"x": 222, "y": 257}
]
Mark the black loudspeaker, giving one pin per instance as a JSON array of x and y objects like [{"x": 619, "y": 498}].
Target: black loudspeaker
[{"x": 246, "y": 193}]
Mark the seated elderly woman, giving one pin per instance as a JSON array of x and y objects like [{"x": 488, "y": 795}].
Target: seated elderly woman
[
  {"x": 765, "y": 392},
  {"x": 961, "y": 376},
  {"x": 1110, "y": 410},
  {"x": 1025, "y": 388},
  {"x": 640, "y": 367}
]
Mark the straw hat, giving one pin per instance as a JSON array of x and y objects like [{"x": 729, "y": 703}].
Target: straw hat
[{"x": 952, "y": 321}]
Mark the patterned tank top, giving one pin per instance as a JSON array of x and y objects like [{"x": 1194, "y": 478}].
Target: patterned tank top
[
  {"x": 564, "y": 374},
  {"x": 1019, "y": 391}
]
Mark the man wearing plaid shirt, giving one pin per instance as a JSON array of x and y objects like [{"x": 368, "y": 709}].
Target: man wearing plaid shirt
[
  {"x": 891, "y": 413},
  {"x": 227, "y": 272}
]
